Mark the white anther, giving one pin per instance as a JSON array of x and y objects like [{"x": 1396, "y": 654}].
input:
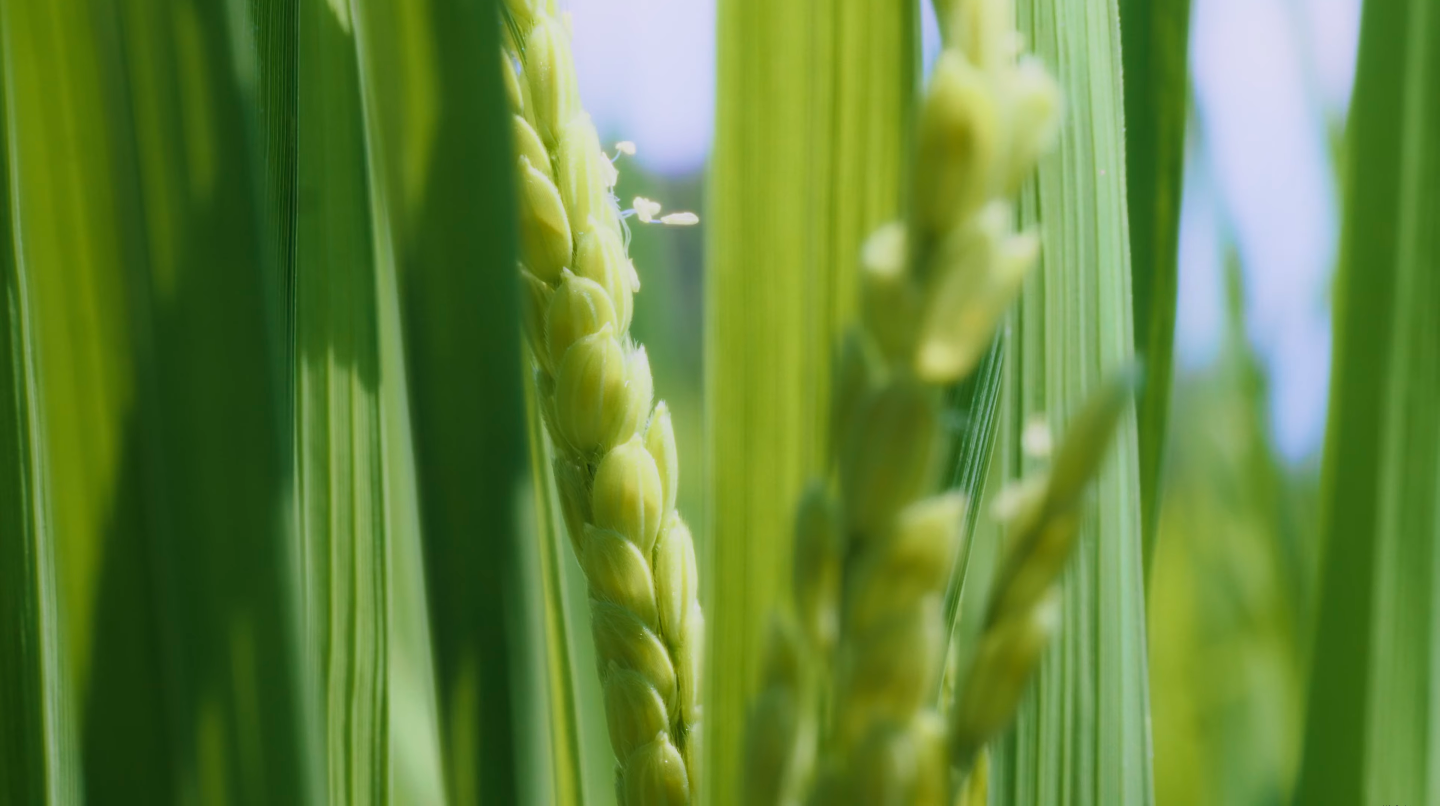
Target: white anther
[
  {"x": 680, "y": 219},
  {"x": 883, "y": 253},
  {"x": 1035, "y": 440},
  {"x": 646, "y": 210}
]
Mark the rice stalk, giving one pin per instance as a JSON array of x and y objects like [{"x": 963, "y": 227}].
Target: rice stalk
[{"x": 616, "y": 467}]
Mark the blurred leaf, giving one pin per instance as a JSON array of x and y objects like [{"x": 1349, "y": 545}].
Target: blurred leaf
[
  {"x": 1226, "y": 671},
  {"x": 1155, "y": 42},
  {"x": 1370, "y": 737},
  {"x": 1082, "y": 733},
  {"x": 812, "y": 116}
]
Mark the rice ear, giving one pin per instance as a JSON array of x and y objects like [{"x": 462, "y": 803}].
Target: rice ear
[{"x": 616, "y": 467}]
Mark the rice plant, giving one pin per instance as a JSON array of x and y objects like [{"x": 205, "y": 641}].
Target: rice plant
[{"x": 347, "y": 377}]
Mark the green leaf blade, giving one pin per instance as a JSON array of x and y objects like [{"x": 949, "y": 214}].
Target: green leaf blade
[
  {"x": 1082, "y": 735},
  {"x": 343, "y": 474},
  {"x": 1373, "y": 660},
  {"x": 1155, "y": 45}
]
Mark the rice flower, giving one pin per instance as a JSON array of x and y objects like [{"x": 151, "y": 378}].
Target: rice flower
[{"x": 874, "y": 545}]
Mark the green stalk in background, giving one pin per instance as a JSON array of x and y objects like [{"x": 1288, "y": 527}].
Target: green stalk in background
[
  {"x": 1155, "y": 42},
  {"x": 813, "y": 113},
  {"x": 1227, "y": 713},
  {"x": 1082, "y": 736},
  {"x": 1370, "y": 736}
]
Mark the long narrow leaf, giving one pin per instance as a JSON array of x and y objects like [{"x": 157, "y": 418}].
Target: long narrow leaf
[
  {"x": 1371, "y": 727},
  {"x": 1155, "y": 44}
]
